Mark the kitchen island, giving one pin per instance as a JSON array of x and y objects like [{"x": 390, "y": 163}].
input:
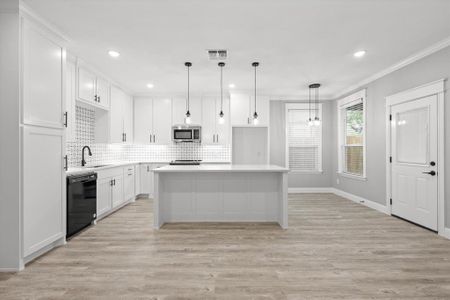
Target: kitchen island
[{"x": 220, "y": 193}]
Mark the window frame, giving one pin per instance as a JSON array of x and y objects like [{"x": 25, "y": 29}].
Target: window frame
[
  {"x": 341, "y": 105},
  {"x": 303, "y": 106}
]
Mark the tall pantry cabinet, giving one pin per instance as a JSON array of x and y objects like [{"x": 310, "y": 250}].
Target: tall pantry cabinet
[{"x": 43, "y": 123}]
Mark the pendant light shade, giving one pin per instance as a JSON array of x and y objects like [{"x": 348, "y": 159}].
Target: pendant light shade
[
  {"x": 314, "y": 91},
  {"x": 255, "y": 114},
  {"x": 221, "y": 114},
  {"x": 187, "y": 120}
]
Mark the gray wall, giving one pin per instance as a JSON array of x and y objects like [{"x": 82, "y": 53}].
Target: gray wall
[
  {"x": 278, "y": 145},
  {"x": 428, "y": 69},
  {"x": 9, "y": 131}
]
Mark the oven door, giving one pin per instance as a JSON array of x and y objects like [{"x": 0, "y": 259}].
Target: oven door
[{"x": 183, "y": 135}]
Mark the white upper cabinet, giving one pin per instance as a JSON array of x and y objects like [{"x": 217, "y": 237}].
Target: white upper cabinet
[
  {"x": 43, "y": 64},
  {"x": 121, "y": 117},
  {"x": 162, "y": 121},
  {"x": 153, "y": 120},
  {"x": 86, "y": 85},
  {"x": 70, "y": 101},
  {"x": 93, "y": 89},
  {"x": 179, "y": 107},
  {"x": 243, "y": 108},
  {"x": 103, "y": 90},
  {"x": 214, "y": 132},
  {"x": 143, "y": 127}
]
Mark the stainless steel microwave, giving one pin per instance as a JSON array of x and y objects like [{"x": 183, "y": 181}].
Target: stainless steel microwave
[{"x": 186, "y": 134}]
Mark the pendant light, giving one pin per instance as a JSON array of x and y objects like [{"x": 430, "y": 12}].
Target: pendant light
[
  {"x": 221, "y": 115},
  {"x": 187, "y": 120},
  {"x": 255, "y": 115},
  {"x": 316, "y": 121}
]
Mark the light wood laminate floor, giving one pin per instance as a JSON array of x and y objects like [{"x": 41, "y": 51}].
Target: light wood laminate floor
[{"x": 334, "y": 249}]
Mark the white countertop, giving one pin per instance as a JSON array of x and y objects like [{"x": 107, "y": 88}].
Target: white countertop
[
  {"x": 81, "y": 170},
  {"x": 221, "y": 168}
]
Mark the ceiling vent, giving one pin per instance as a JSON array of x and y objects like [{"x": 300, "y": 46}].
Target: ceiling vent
[{"x": 215, "y": 54}]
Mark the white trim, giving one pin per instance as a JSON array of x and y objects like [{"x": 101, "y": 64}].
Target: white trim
[
  {"x": 312, "y": 190},
  {"x": 432, "y": 88},
  {"x": 445, "y": 233},
  {"x": 409, "y": 60},
  {"x": 371, "y": 204},
  {"x": 303, "y": 106},
  {"x": 343, "y": 103},
  {"x": 351, "y": 176}
]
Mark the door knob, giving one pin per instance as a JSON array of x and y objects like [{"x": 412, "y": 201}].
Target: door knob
[
  {"x": 432, "y": 173},
  {"x": 432, "y": 163}
]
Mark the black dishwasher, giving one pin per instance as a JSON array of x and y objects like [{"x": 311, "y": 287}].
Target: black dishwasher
[{"x": 81, "y": 202}]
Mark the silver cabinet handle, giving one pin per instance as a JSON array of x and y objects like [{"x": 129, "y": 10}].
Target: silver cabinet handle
[
  {"x": 214, "y": 138},
  {"x": 217, "y": 139},
  {"x": 154, "y": 139},
  {"x": 150, "y": 138}
]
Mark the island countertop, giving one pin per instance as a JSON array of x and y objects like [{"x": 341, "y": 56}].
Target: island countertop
[{"x": 220, "y": 168}]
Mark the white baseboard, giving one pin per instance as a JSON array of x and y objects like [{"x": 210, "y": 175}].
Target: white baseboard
[
  {"x": 363, "y": 201},
  {"x": 10, "y": 270},
  {"x": 445, "y": 233},
  {"x": 310, "y": 190}
]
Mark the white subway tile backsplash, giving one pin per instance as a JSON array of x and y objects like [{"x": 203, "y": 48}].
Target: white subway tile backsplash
[{"x": 108, "y": 153}]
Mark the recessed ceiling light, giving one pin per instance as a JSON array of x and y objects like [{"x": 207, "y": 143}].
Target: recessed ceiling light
[
  {"x": 113, "y": 53},
  {"x": 150, "y": 85},
  {"x": 231, "y": 85},
  {"x": 360, "y": 53}
]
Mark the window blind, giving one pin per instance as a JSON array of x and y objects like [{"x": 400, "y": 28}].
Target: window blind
[
  {"x": 353, "y": 145},
  {"x": 304, "y": 142}
]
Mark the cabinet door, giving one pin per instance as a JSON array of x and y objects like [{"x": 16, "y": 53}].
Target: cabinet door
[
  {"x": 210, "y": 115},
  {"x": 70, "y": 101},
  {"x": 86, "y": 85},
  {"x": 128, "y": 118},
  {"x": 117, "y": 191},
  {"x": 104, "y": 197},
  {"x": 116, "y": 115},
  {"x": 102, "y": 92},
  {"x": 223, "y": 130},
  {"x": 128, "y": 182},
  {"x": 145, "y": 178},
  {"x": 240, "y": 109},
  {"x": 43, "y": 62},
  {"x": 143, "y": 120},
  {"x": 43, "y": 187},
  {"x": 162, "y": 120}
]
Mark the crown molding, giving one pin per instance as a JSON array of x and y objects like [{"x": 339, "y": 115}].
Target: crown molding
[{"x": 409, "y": 60}]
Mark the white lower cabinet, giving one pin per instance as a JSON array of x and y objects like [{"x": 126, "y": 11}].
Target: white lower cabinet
[
  {"x": 128, "y": 183},
  {"x": 104, "y": 190},
  {"x": 117, "y": 191},
  {"x": 43, "y": 188},
  {"x": 146, "y": 178}
]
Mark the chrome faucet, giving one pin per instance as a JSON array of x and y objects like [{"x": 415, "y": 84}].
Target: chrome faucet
[{"x": 83, "y": 162}]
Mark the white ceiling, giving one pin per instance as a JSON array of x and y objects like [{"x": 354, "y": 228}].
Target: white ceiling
[{"x": 297, "y": 42}]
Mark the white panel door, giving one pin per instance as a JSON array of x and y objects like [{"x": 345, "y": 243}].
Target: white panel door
[
  {"x": 414, "y": 161},
  {"x": 102, "y": 92},
  {"x": 116, "y": 115},
  {"x": 43, "y": 179},
  {"x": 42, "y": 75},
  {"x": 143, "y": 110},
  {"x": 209, "y": 118},
  {"x": 223, "y": 130},
  {"x": 240, "y": 109},
  {"x": 117, "y": 191},
  {"x": 86, "y": 85},
  {"x": 104, "y": 197},
  {"x": 162, "y": 120},
  {"x": 128, "y": 118},
  {"x": 145, "y": 179},
  {"x": 70, "y": 101}
]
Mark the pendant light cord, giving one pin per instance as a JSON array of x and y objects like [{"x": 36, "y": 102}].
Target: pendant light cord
[
  {"x": 221, "y": 87},
  {"x": 255, "y": 85},
  {"x": 309, "y": 104},
  {"x": 188, "y": 89}
]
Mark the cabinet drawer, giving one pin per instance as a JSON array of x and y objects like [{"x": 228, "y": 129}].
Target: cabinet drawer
[{"x": 111, "y": 172}]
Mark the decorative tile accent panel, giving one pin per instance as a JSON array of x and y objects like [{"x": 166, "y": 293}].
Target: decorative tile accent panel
[{"x": 109, "y": 153}]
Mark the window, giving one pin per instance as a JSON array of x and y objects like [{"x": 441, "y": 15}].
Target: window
[
  {"x": 303, "y": 143},
  {"x": 352, "y": 128}
]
